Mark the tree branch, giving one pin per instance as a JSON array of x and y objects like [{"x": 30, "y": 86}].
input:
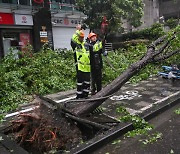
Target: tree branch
[
  {"x": 85, "y": 121},
  {"x": 169, "y": 54},
  {"x": 159, "y": 40},
  {"x": 164, "y": 46}
]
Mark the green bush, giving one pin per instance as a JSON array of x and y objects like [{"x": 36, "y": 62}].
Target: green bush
[
  {"x": 45, "y": 72},
  {"x": 171, "y": 23},
  {"x": 121, "y": 59}
]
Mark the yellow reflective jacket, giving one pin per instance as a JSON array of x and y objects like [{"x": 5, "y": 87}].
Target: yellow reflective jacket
[
  {"x": 83, "y": 57},
  {"x": 75, "y": 40},
  {"x": 97, "y": 46}
]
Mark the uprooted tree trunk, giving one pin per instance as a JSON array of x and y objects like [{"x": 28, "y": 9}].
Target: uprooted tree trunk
[{"x": 152, "y": 55}]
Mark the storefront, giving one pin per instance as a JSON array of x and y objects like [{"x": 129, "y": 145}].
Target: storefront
[
  {"x": 63, "y": 29},
  {"x": 15, "y": 32}
]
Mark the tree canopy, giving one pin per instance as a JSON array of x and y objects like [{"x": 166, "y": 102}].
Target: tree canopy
[{"x": 114, "y": 10}]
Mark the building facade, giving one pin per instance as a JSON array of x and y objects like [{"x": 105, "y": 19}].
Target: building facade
[
  {"x": 65, "y": 18},
  {"x": 169, "y": 9},
  {"x": 16, "y": 25},
  {"x": 156, "y": 11},
  {"x": 37, "y": 22},
  {"x": 21, "y": 23}
]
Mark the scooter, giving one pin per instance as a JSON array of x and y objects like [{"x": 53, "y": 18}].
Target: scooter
[{"x": 170, "y": 72}]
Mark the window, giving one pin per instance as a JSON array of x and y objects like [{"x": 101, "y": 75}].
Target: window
[
  {"x": 166, "y": 0},
  {"x": 24, "y": 2},
  {"x": 72, "y": 1},
  {"x": 67, "y": 1},
  {"x": 59, "y": 1},
  {"x": 21, "y": 2},
  {"x": 54, "y": 0},
  {"x": 9, "y": 1},
  {"x": 64, "y": 1}
]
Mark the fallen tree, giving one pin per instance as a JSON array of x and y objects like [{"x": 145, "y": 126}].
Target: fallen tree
[{"x": 160, "y": 49}]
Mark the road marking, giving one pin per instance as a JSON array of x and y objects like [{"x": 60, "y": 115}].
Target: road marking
[
  {"x": 146, "y": 107},
  {"x": 32, "y": 108},
  {"x": 129, "y": 96},
  {"x": 159, "y": 102},
  {"x": 131, "y": 111},
  {"x": 65, "y": 99},
  {"x": 22, "y": 111}
]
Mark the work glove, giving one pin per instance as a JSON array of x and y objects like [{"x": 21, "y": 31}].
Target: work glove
[{"x": 105, "y": 53}]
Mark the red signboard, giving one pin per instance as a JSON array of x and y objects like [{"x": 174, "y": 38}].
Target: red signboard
[
  {"x": 6, "y": 19},
  {"x": 25, "y": 39},
  {"x": 66, "y": 21}
]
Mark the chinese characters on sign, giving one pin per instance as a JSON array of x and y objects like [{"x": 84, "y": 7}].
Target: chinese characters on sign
[
  {"x": 43, "y": 35},
  {"x": 23, "y": 19},
  {"x": 67, "y": 22}
]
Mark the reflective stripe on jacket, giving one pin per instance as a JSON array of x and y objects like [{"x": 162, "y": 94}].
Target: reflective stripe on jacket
[{"x": 83, "y": 57}]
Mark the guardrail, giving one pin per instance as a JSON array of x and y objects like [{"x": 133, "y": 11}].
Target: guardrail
[{"x": 108, "y": 47}]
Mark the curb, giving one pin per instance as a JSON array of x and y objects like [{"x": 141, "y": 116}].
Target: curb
[{"x": 12, "y": 145}]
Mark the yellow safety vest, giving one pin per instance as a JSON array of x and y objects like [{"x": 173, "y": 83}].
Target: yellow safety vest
[
  {"x": 97, "y": 46},
  {"x": 83, "y": 57}
]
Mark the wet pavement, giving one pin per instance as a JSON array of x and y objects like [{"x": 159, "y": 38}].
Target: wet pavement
[
  {"x": 140, "y": 97},
  {"x": 167, "y": 123}
]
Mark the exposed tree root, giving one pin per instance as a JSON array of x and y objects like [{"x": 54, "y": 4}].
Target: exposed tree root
[{"x": 43, "y": 132}]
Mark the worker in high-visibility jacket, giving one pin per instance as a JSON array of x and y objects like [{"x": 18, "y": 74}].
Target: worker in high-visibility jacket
[
  {"x": 83, "y": 66},
  {"x": 96, "y": 50},
  {"x": 75, "y": 41}
]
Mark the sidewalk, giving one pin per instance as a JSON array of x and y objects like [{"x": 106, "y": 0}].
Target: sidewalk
[
  {"x": 135, "y": 98},
  {"x": 140, "y": 97}
]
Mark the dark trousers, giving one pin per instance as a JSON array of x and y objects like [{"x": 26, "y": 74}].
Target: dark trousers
[
  {"x": 75, "y": 60},
  {"x": 73, "y": 46},
  {"x": 96, "y": 80},
  {"x": 83, "y": 84}
]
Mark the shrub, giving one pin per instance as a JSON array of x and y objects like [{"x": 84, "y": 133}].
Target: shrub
[
  {"x": 45, "y": 72},
  {"x": 171, "y": 23}
]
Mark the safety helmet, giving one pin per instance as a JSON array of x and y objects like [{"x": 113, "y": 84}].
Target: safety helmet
[
  {"x": 91, "y": 35},
  {"x": 81, "y": 33}
]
